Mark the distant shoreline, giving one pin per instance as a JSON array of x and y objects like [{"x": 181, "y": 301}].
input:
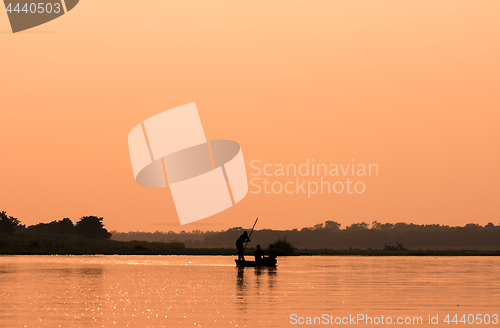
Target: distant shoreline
[
  {"x": 79, "y": 245},
  {"x": 89, "y": 236},
  {"x": 249, "y": 255}
]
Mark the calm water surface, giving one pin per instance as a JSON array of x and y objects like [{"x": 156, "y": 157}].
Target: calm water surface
[{"x": 209, "y": 291}]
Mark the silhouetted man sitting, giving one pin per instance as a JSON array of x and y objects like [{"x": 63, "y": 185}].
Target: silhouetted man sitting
[
  {"x": 239, "y": 245},
  {"x": 272, "y": 252},
  {"x": 258, "y": 254}
]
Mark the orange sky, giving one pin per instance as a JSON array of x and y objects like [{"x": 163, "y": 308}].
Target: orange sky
[{"x": 412, "y": 86}]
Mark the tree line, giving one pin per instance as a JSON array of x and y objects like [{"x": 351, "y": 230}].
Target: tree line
[
  {"x": 87, "y": 226},
  {"x": 331, "y": 235},
  {"x": 326, "y": 235}
]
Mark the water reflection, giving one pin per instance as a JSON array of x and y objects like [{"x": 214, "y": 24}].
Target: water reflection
[
  {"x": 253, "y": 289},
  {"x": 187, "y": 291},
  {"x": 94, "y": 272},
  {"x": 271, "y": 273},
  {"x": 240, "y": 280},
  {"x": 242, "y": 284},
  {"x": 258, "y": 273}
]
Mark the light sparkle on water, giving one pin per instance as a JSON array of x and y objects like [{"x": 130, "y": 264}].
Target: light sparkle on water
[{"x": 209, "y": 291}]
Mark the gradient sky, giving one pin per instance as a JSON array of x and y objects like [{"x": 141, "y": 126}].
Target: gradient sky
[{"x": 412, "y": 86}]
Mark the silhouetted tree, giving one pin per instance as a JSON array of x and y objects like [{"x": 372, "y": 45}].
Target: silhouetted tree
[
  {"x": 92, "y": 227},
  {"x": 358, "y": 226},
  {"x": 473, "y": 226},
  {"x": 490, "y": 225},
  {"x": 400, "y": 226},
  {"x": 64, "y": 226},
  {"x": 382, "y": 226},
  {"x": 332, "y": 225},
  {"x": 8, "y": 224},
  {"x": 318, "y": 226}
]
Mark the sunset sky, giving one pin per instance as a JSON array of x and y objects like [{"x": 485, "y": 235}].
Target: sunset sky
[{"x": 412, "y": 86}]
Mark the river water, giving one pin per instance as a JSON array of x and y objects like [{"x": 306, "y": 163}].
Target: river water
[{"x": 209, "y": 291}]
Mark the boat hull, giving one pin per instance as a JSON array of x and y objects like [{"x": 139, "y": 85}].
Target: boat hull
[{"x": 263, "y": 263}]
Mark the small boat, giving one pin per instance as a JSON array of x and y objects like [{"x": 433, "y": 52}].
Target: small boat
[{"x": 266, "y": 262}]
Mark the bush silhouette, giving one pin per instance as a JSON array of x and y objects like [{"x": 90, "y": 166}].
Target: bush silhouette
[
  {"x": 283, "y": 247},
  {"x": 8, "y": 224},
  {"x": 91, "y": 227},
  {"x": 64, "y": 227}
]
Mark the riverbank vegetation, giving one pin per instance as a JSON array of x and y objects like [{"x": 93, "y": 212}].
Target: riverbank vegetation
[
  {"x": 330, "y": 235},
  {"x": 89, "y": 236}
]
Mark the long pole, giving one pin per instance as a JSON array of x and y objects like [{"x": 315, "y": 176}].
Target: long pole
[{"x": 250, "y": 233}]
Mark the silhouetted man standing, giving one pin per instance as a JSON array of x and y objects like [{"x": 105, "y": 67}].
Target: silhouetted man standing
[{"x": 239, "y": 245}]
